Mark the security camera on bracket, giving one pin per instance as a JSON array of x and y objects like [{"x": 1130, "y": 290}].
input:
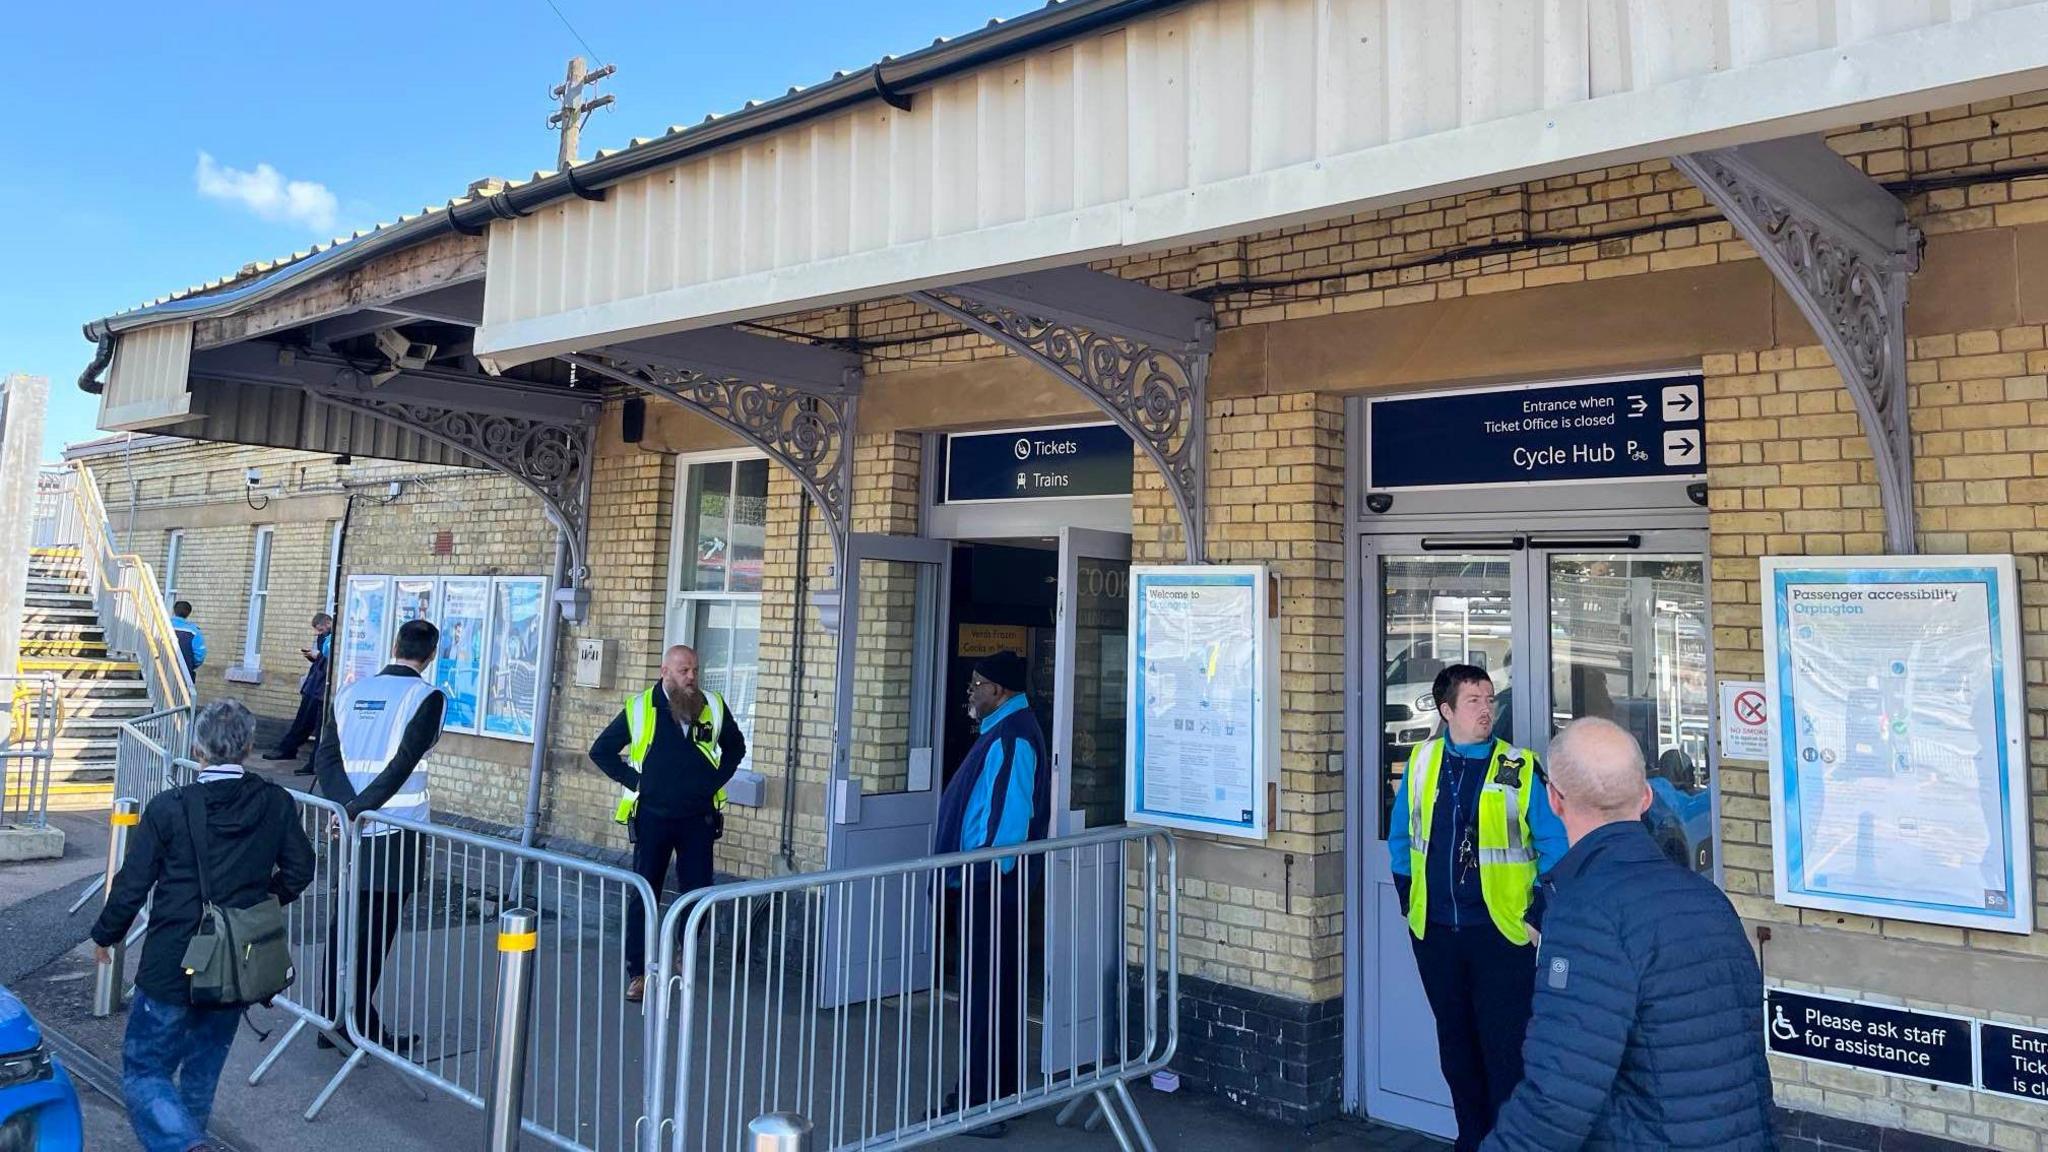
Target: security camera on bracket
[{"x": 400, "y": 355}]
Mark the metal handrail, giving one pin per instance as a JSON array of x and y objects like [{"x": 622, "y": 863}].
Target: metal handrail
[
  {"x": 125, "y": 593},
  {"x": 34, "y": 715}
]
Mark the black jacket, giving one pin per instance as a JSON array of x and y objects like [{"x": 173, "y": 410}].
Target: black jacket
[
  {"x": 258, "y": 849},
  {"x": 1648, "y": 1025},
  {"x": 679, "y": 781}
]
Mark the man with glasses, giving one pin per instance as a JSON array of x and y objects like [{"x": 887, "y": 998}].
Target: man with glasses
[
  {"x": 1471, "y": 831},
  {"x": 1001, "y": 795},
  {"x": 673, "y": 748}
]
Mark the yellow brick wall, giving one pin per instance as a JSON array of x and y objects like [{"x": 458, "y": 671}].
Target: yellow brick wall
[
  {"x": 1275, "y": 491},
  {"x": 1790, "y": 474}
]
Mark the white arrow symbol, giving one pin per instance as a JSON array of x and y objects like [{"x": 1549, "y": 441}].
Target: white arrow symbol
[{"x": 1637, "y": 406}]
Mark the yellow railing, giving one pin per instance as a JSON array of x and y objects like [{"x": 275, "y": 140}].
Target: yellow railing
[{"x": 130, "y": 606}]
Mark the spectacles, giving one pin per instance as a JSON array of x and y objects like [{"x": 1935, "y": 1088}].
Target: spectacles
[{"x": 1543, "y": 778}]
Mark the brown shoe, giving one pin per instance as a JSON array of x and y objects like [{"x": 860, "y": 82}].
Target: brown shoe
[{"x": 636, "y": 988}]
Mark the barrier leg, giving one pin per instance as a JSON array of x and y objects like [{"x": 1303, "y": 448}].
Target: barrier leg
[
  {"x": 1107, "y": 1104},
  {"x": 91, "y": 890},
  {"x": 298, "y": 1026},
  {"x": 1144, "y": 1134},
  {"x": 349, "y": 1066}
]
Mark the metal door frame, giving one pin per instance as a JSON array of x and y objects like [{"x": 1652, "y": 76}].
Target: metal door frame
[
  {"x": 1581, "y": 509},
  {"x": 1075, "y": 543},
  {"x": 863, "y": 546}
]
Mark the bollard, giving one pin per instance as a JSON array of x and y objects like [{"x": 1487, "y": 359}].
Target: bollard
[
  {"x": 779, "y": 1132},
  {"x": 506, "y": 1085},
  {"x": 106, "y": 981}
]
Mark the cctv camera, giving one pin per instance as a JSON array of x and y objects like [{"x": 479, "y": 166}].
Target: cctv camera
[
  {"x": 254, "y": 477},
  {"x": 1379, "y": 501}
]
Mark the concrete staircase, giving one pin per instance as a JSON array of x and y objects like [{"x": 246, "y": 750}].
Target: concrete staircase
[{"x": 61, "y": 636}]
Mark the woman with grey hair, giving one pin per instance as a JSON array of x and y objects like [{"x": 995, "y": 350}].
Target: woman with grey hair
[{"x": 254, "y": 848}]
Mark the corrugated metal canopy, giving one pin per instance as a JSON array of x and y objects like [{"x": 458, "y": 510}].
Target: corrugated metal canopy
[{"x": 1217, "y": 118}]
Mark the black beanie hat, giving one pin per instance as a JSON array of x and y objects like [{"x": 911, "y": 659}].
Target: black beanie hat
[{"x": 1003, "y": 669}]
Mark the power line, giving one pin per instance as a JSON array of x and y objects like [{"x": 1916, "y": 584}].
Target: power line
[{"x": 594, "y": 53}]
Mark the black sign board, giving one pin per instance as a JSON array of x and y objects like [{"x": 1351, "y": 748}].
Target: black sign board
[
  {"x": 1896, "y": 1041},
  {"x": 1647, "y": 428},
  {"x": 1038, "y": 463},
  {"x": 2012, "y": 1061}
]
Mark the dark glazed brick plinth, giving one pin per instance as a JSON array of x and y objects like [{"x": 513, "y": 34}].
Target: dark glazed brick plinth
[{"x": 1273, "y": 1056}]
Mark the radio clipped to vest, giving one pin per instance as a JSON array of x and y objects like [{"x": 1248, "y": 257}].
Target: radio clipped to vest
[{"x": 642, "y": 713}]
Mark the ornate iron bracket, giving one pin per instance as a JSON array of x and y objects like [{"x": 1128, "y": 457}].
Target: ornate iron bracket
[
  {"x": 1139, "y": 354},
  {"x": 1841, "y": 247},
  {"x": 807, "y": 429},
  {"x": 550, "y": 457}
]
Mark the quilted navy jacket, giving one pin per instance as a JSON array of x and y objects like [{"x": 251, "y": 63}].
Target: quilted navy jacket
[{"x": 1648, "y": 1028}]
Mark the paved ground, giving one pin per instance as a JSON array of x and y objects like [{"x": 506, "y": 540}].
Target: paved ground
[{"x": 47, "y": 962}]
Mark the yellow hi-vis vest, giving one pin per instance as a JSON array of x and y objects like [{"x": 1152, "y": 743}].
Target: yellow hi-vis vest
[
  {"x": 1507, "y": 852},
  {"x": 641, "y": 714}
]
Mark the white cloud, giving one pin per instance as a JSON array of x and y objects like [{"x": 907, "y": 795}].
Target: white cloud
[{"x": 268, "y": 194}]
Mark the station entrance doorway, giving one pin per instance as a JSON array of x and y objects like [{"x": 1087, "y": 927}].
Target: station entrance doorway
[
  {"x": 1577, "y": 600},
  {"x": 1048, "y": 580}
]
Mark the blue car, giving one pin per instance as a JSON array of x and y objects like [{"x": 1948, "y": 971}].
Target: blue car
[{"x": 38, "y": 1105}]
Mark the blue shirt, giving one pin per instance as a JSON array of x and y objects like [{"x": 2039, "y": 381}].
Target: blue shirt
[
  {"x": 1458, "y": 899},
  {"x": 191, "y": 639},
  {"x": 1000, "y": 795}
]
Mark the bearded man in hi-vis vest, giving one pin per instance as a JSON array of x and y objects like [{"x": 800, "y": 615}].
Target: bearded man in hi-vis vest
[
  {"x": 1471, "y": 831},
  {"x": 673, "y": 748}
]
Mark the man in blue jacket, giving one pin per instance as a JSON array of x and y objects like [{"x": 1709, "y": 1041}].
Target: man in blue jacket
[
  {"x": 1647, "y": 1029},
  {"x": 1471, "y": 831},
  {"x": 1001, "y": 795}
]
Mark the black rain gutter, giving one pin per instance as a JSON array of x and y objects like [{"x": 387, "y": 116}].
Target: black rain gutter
[{"x": 888, "y": 80}]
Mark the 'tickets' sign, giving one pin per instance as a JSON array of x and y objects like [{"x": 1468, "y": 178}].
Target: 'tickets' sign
[
  {"x": 1921, "y": 1045},
  {"x": 2012, "y": 1061}
]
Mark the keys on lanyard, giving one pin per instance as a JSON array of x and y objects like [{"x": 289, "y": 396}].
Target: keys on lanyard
[{"x": 1467, "y": 858}]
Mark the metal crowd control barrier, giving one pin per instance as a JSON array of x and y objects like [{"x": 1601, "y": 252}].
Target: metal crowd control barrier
[
  {"x": 314, "y": 999},
  {"x": 30, "y": 715},
  {"x": 904, "y": 1003},
  {"x": 146, "y": 749},
  {"x": 422, "y": 902}
]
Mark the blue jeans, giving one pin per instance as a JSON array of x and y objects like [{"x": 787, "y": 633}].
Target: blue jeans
[{"x": 170, "y": 1065}]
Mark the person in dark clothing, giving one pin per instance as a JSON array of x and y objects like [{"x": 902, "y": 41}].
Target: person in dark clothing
[
  {"x": 1001, "y": 795},
  {"x": 368, "y": 760},
  {"x": 673, "y": 748},
  {"x": 1471, "y": 831},
  {"x": 312, "y": 694},
  {"x": 1647, "y": 1029},
  {"x": 173, "y": 1053}
]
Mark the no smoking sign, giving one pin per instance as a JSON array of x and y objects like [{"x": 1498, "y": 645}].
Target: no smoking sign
[{"x": 1745, "y": 721}]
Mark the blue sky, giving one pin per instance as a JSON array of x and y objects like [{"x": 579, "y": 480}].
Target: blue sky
[{"x": 169, "y": 144}]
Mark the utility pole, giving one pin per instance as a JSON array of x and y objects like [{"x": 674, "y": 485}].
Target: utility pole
[{"x": 568, "y": 119}]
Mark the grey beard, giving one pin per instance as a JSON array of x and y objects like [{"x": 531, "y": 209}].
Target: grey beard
[{"x": 686, "y": 705}]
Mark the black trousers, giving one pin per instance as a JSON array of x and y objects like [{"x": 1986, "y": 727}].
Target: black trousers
[
  {"x": 390, "y": 873},
  {"x": 1479, "y": 986},
  {"x": 658, "y": 842},
  {"x": 305, "y": 726},
  {"x": 991, "y": 997}
]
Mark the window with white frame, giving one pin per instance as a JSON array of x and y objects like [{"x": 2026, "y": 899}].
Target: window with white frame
[
  {"x": 715, "y": 571},
  {"x": 259, "y": 597},
  {"x": 174, "y": 551},
  {"x": 333, "y": 564}
]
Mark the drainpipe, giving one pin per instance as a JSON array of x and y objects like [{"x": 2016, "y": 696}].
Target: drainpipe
[
  {"x": 796, "y": 663},
  {"x": 544, "y": 691}
]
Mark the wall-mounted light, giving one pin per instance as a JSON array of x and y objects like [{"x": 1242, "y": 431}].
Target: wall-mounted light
[{"x": 254, "y": 477}]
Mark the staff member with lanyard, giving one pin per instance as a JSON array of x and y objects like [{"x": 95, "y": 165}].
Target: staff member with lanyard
[
  {"x": 1471, "y": 831},
  {"x": 369, "y": 760},
  {"x": 673, "y": 748}
]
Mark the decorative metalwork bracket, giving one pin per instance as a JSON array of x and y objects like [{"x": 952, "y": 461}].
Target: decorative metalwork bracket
[
  {"x": 1139, "y": 354},
  {"x": 795, "y": 402},
  {"x": 1842, "y": 248},
  {"x": 550, "y": 457}
]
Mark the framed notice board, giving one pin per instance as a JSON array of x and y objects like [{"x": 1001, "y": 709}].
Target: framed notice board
[
  {"x": 1899, "y": 780},
  {"x": 1202, "y": 705}
]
